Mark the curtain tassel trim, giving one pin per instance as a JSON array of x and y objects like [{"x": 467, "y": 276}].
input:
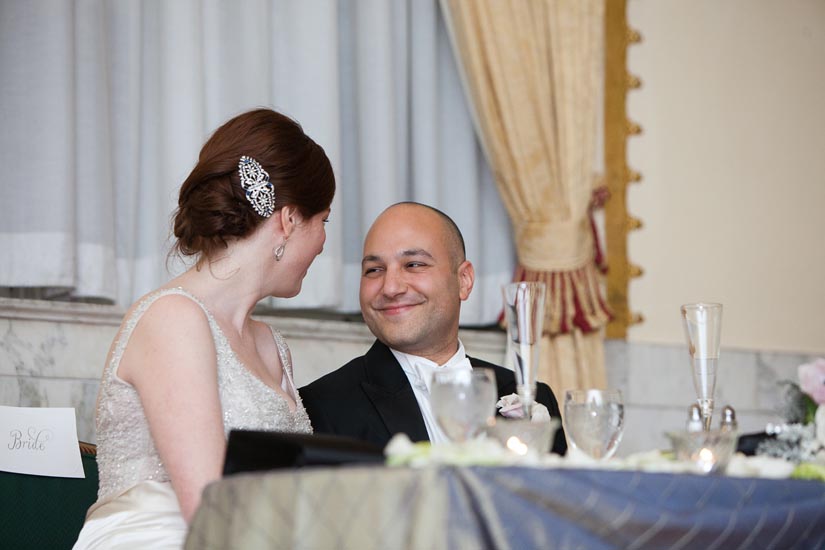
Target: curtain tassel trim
[{"x": 573, "y": 300}]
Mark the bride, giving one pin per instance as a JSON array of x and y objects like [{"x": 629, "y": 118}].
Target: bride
[{"x": 189, "y": 363}]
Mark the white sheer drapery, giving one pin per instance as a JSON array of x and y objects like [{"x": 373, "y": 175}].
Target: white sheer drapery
[{"x": 105, "y": 105}]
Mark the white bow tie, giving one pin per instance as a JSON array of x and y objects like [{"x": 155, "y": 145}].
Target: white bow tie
[{"x": 424, "y": 371}]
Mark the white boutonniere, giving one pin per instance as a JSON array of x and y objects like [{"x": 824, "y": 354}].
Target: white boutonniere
[{"x": 509, "y": 406}]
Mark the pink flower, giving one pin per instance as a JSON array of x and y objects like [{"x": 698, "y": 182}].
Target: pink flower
[
  {"x": 509, "y": 406},
  {"x": 812, "y": 380}
]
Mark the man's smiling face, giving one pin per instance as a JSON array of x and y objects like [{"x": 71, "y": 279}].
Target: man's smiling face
[{"x": 413, "y": 279}]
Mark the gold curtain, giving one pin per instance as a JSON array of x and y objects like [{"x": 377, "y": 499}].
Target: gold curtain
[{"x": 533, "y": 71}]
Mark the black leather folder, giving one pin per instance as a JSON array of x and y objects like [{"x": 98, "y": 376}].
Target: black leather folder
[
  {"x": 748, "y": 443},
  {"x": 251, "y": 451}
]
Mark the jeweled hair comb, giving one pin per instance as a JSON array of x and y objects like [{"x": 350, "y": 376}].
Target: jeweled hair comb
[{"x": 259, "y": 190}]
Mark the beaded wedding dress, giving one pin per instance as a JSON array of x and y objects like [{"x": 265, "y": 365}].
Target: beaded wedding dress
[{"x": 136, "y": 506}]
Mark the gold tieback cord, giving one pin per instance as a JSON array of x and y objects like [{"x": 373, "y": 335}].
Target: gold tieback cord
[{"x": 566, "y": 256}]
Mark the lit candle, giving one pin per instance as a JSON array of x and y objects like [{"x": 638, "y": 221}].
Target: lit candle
[
  {"x": 706, "y": 459},
  {"x": 517, "y": 445}
]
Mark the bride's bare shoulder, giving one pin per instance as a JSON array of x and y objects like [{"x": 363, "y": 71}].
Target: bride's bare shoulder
[
  {"x": 173, "y": 329},
  {"x": 167, "y": 315}
]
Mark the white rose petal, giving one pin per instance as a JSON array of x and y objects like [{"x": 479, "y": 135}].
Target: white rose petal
[
  {"x": 539, "y": 413},
  {"x": 759, "y": 466},
  {"x": 819, "y": 420},
  {"x": 399, "y": 445}
]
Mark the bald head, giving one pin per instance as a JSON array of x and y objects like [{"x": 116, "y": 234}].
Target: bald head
[{"x": 448, "y": 230}]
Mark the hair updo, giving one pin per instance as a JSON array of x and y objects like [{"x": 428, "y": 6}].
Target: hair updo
[{"x": 212, "y": 206}]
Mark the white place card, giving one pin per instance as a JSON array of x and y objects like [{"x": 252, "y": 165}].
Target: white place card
[{"x": 39, "y": 441}]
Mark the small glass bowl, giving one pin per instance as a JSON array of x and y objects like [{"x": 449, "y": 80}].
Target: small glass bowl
[
  {"x": 521, "y": 436},
  {"x": 709, "y": 452}
]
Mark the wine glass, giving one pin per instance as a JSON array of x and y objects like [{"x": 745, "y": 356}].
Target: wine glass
[
  {"x": 594, "y": 421},
  {"x": 703, "y": 328},
  {"x": 524, "y": 310},
  {"x": 463, "y": 402}
]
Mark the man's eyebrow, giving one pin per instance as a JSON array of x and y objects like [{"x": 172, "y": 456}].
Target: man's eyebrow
[
  {"x": 416, "y": 252},
  {"x": 370, "y": 258},
  {"x": 412, "y": 252}
]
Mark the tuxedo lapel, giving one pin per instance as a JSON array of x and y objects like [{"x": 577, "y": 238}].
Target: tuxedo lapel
[
  {"x": 389, "y": 390},
  {"x": 505, "y": 380}
]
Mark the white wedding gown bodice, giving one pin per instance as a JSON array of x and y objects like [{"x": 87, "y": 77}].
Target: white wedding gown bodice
[{"x": 135, "y": 498}]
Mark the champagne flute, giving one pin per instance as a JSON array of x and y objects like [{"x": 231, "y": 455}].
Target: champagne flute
[
  {"x": 524, "y": 311},
  {"x": 703, "y": 328},
  {"x": 594, "y": 421},
  {"x": 463, "y": 402}
]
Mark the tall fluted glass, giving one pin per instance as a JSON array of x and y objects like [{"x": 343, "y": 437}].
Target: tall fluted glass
[
  {"x": 703, "y": 330},
  {"x": 524, "y": 311}
]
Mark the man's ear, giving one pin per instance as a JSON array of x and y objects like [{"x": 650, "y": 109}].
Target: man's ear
[{"x": 466, "y": 278}]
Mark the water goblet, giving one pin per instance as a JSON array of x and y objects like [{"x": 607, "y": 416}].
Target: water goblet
[
  {"x": 463, "y": 402},
  {"x": 594, "y": 421},
  {"x": 524, "y": 311},
  {"x": 703, "y": 328}
]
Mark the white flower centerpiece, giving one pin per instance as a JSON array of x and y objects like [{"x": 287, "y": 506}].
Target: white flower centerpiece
[
  {"x": 483, "y": 451},
  {"x": 801, "y": 440}
]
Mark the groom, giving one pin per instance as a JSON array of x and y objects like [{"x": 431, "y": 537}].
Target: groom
[{"x": 414, "y": 276}]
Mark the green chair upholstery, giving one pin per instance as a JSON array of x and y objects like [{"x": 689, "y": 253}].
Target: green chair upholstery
[{"x": 41, "y": 512}]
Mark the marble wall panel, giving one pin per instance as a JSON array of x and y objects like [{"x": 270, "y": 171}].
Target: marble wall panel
[
  {"x": 616, "y": 358},
  {"x": 53, "y": 349},
  {"x": 645, "y": 427},
  {"x": 658, "y": 388},
  {"x": 54, "y": 392},
  {"x": 52, "y": 355},
  {"x": 313, "y": 359},
  {"x": 660, "y": 375},
  {"x": 772, "y": 370}
]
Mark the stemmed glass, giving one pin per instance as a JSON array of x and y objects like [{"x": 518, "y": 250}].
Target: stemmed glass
[
  {"x": 463, "y": 402},
  {"x": 594, "y": 421},
  {"x": 703, "y": 329},
  {"x": 524, "y": 311}
]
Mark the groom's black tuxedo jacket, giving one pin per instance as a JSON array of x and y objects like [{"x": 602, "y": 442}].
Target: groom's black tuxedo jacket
[{"x": 370, "y": 398}]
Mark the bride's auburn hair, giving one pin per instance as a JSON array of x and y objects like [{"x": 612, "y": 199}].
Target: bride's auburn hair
[{"x": 212, "y": 205}]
